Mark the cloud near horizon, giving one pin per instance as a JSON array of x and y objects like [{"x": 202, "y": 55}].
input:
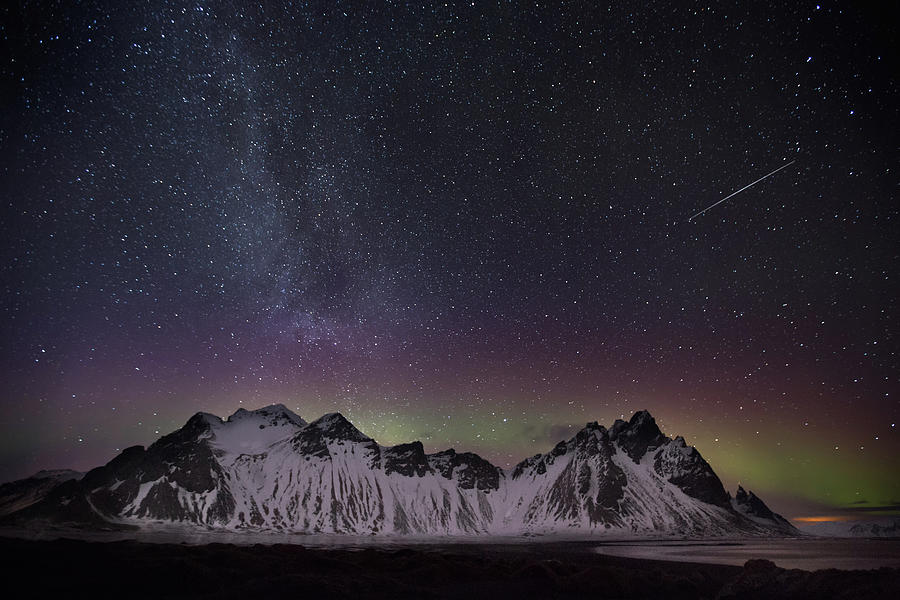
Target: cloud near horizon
[{"x": 853, "y": 512}]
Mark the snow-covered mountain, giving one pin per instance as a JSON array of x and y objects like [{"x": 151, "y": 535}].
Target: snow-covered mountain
[
  {"x": 269, "y": 469},
  {"x": 630, "y": 478}
]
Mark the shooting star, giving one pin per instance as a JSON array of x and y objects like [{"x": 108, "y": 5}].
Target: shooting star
[{"x": 741, "y": 190}]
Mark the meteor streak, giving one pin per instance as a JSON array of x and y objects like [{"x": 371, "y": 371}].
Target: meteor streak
[{"x": 741, "y": 190}]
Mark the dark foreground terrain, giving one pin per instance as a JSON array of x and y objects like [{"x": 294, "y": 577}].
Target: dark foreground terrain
[{"x": 130, "y": 569}]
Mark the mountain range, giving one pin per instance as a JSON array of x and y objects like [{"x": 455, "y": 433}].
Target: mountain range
[{"x": 268, "y": 469}]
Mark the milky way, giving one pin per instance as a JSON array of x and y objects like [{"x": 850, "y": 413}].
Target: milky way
[{"x": 463, "y": 224}]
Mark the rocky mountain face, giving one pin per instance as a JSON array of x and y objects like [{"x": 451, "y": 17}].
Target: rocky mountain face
[
  {"x": 749, "y": 505},
  {"x": 269, "y": 469}
]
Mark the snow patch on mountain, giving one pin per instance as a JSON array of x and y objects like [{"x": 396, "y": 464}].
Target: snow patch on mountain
[{"x": 251, "y": 432}]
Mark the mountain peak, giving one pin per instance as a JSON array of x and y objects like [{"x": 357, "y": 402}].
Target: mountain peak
[
  {"x": 642, "y": 418},
  {"x": 203, "y": 420},
  {"x": 406, "y": 459},
  {"x": 336, "y": 426},
  {"x": 748, "y": 504},
  {"x": 749, "y": 499},
  {"x": 639, "y": 435},
  {"x": 469, "y": 469},
  {"x": 252, "y": 431},
  {"x": 205, "y": 416},
  {"x": 272, "y": 413}
]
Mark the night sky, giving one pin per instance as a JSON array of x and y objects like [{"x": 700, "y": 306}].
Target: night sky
[{"x": 465, "y": 224}]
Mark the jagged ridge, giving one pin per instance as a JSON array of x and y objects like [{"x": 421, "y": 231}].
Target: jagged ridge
[{"x": 269, "y": 469}]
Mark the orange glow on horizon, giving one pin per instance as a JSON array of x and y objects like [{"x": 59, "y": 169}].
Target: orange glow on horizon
[{"x": 823, "y": 519}]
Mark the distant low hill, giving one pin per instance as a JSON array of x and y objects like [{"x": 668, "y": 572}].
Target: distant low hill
[{"x": 882, "y": 527}]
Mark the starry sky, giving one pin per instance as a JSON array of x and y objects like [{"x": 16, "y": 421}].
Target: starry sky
[{"x": 465, "y": 223}]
